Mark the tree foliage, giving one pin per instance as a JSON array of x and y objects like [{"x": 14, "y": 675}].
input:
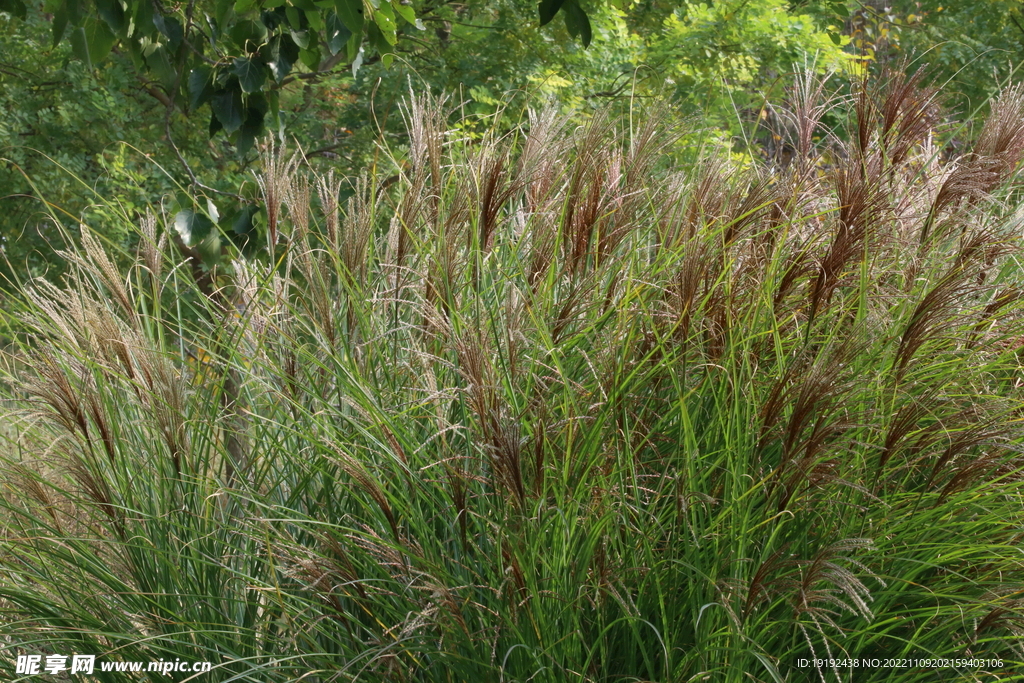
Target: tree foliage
[{"x": 233, "y": 57}]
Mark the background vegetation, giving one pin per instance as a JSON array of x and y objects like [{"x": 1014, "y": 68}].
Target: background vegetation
[{"x": 655, "y": 344}]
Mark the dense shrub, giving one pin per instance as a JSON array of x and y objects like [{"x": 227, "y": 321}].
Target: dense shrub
[{"x": 538, "y": 411}]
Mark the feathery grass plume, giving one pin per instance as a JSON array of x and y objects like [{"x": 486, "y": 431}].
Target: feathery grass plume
[
  {"x": 585, "y": 199},
  {"x": 945, "y": 304},
  {"x": 275, "y": 183},
  {"x": 859, "y": 201},
  {"x": 801, "y": 114},
  {"x": 296, "y": 197},
  {"x": 909, "y": 113},
  {"x": 328, "y": 188},
  {"x": 152, "y": 250},
  {"x": 997, "y": 152}
]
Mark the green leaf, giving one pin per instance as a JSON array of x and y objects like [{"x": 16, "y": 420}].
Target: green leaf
[
  {"x": 227, "y": 106},
  {"x": 241, "y": 222},
  {"x": 60, "y": 23},
  {"x": 272, "y": 19},
  {"x": 300, "y": 38},
  {"x": 99, "y": 38},
  {"x": 215, "y": 124},
  {"x": 142, "y": 18},
  {"x": 243, "y": 6},
  {"x": 159, "y": 62},
  {"x": 337, "y": 34},
  {"x": 171, "y": 28},
  {"x": 210, "y": 250},
  {"x": 112, "y": 13},
  {"x": 223, "y": 11},
  {"x": 405, "y": 11},
  {"x": 577, "y": 22},
  {"x": 76, "y": 13},
  {"x": 296, "y": 19},
  {"x": 351, "y": 14},
  {"x": 352, "y": 48},
  {"x": 279, "y": 55},
  {"x": 548, "y": 9},
  {"x": 193, "y": 227},
  {"x": 249, "y": 35},
  {"x": 315, "y": 19},
  {"x": 80, "y": 46},
  {"x": 255, "y": 113},
  {"x": 251, "y": 73},
  {"x": 16, "y": 8},
  {"x": 311, "y": 57},
  {"x": 241, "y": 227},
  {"x": 200, "y": 86},
  {"x": 385, "y": 20}
]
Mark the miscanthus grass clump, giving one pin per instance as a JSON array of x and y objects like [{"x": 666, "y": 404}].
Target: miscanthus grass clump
[{"x": 539, "y": 411}]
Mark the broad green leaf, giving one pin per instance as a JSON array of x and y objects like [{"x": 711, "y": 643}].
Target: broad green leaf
[
  {"x": 251, "y": 73},
  {"x": 99, "y": 38},
  {"x": 142, "y": 17},
  {"x": 193, "y": 227},
  {"x": 241, "y": 222},
  {"x": 171, "y": 28},
  {"x": 80, "y": 46},
  {"x": 385, "y": 20},
  {"x": 272, "y": 19},
  {"x": 215, "y": 125},
  {"x": 16, "y": 8},
  {"x": 548, "y": 9},
  {"x": 577, "y": 22},
  {"x": 60, "y": 23},
  {"x": 296, "y": 19},
  {"x": 337, "y": 34},
  {"x": 354, "y": 49},
  {"x": 227, "y": 105},
  {"x": 405, "y": 11},
  {"x": 379, "y": 39},
  {"x": 279, "y": 55},
  {"x": 112, "y": 13},
  {"x": 315, "y": 19},
  {"x": 222, "y": 10},
  {"x": 243, "y": 6},
  {"x": 300, "y": 38},
  {"x": 311, "y": 57},
  {"x": 274, "y": 108},
  {"x": 210, "y": 249},
  {"x": 76, "y": 13},
  {"x": 159, "y": 62},
  {"x": 351, "y": 14},
  {"x": 200, "y": 86},
  {"x": 249, "y": 35},
  {"x": 241, "y": 227},
  {"x": 252, "y": 128}
]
